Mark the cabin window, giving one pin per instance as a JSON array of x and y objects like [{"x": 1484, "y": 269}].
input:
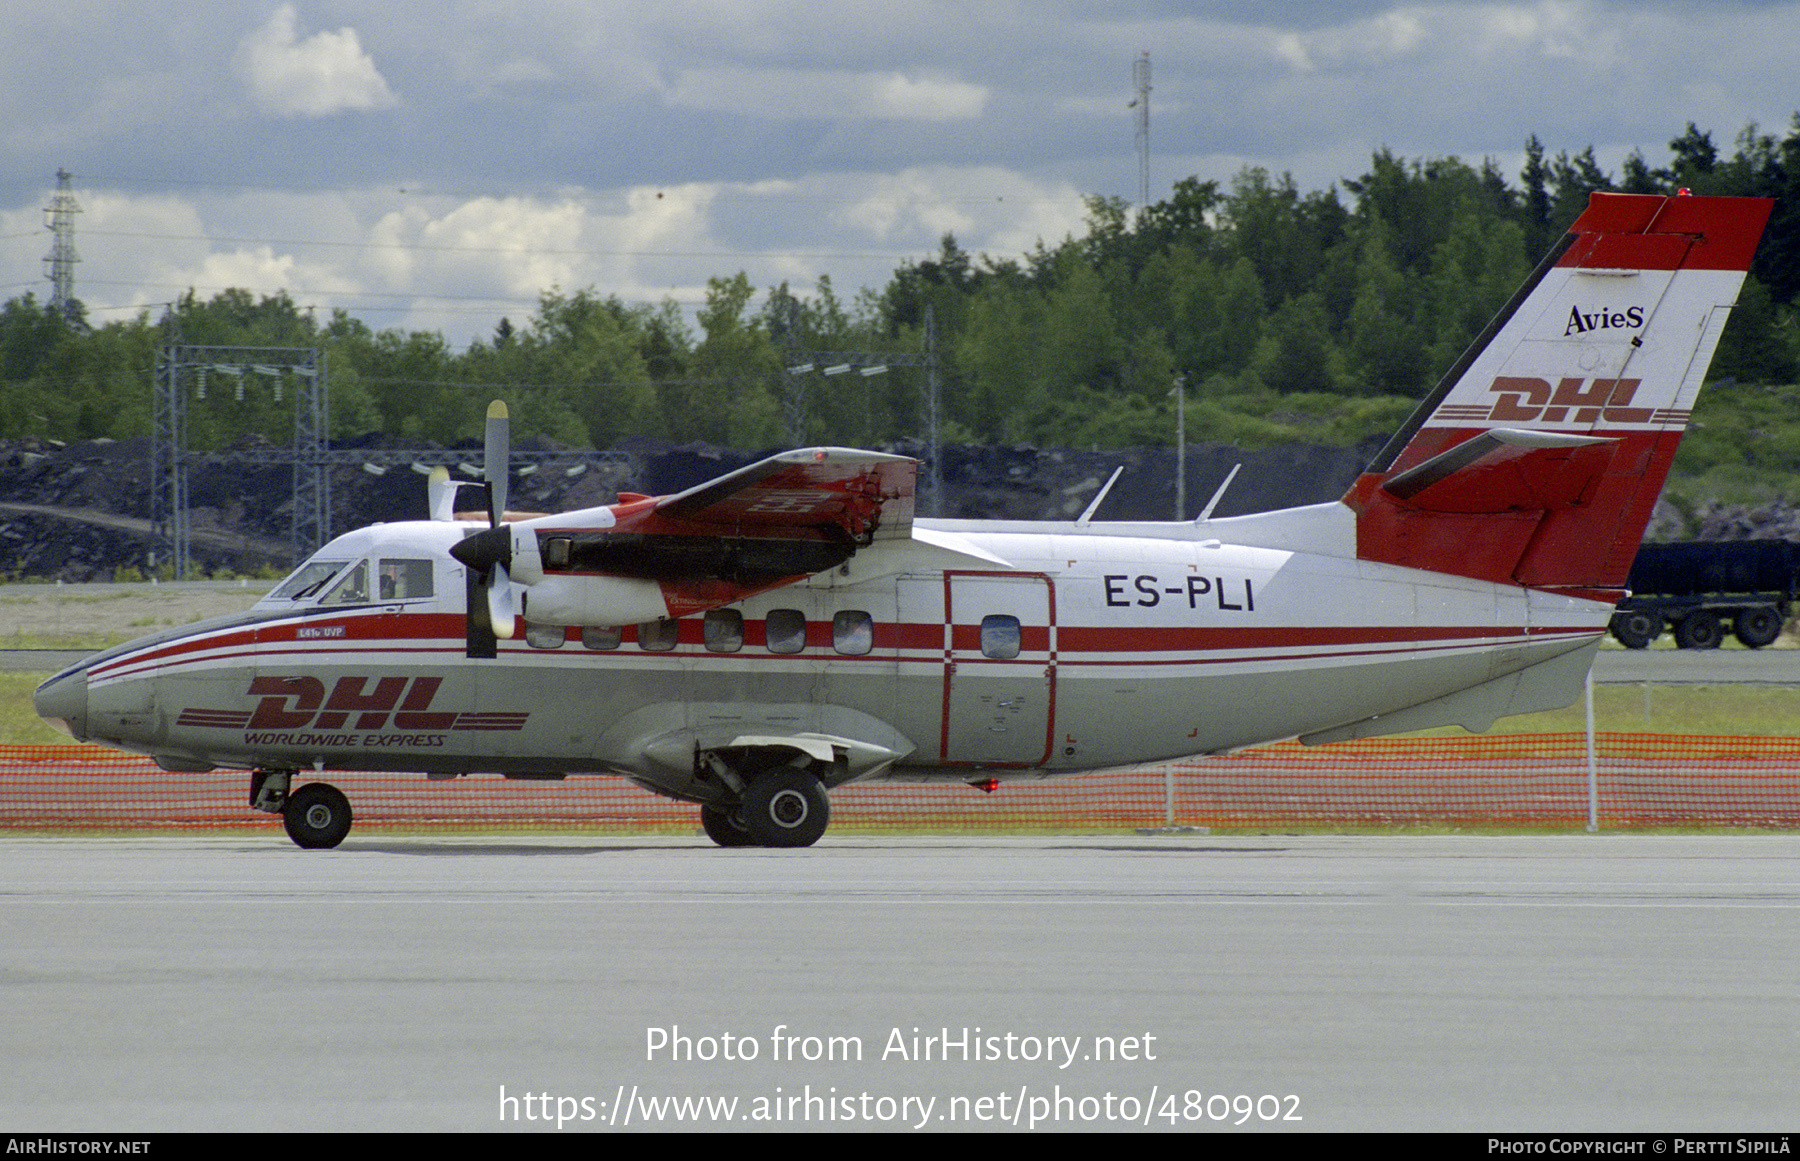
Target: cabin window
[
  {"x": 785, "y": 631},
  {"x": 543, "y": 636},
  {"x": 353, "y": 589},
  {"x": 658, "y": 636},
  {"x": 853, "y": 632},
  {"x": 601, "y": 636},
  {"x": 404, "y": 580},
  {"x": 723, "y": 630},
  {"x": 306, "y": 580},
  {"x": 1000, "y": 637}
]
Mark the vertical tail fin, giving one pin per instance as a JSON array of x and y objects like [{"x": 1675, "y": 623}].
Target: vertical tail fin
[{"x": 1539, "y": 456}]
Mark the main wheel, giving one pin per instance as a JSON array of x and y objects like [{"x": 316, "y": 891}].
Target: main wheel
[
  {"x": 721, "y": 828},
  {"x": 1756, "y": 627},
  {"x": 1700, "y": 629},
  {"x": 1635, "y": 628},
  {"x": 787, "y": 807},
  {"x": 317, "y": 816}
]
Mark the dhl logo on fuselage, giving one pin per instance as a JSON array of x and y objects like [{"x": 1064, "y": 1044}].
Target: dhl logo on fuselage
[
  {"x": 295, "y": 703},
  {"x": 1579, "y": 402}
]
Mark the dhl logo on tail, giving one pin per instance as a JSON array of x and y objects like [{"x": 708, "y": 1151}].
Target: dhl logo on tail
[{"x": 1539, "y": 456}]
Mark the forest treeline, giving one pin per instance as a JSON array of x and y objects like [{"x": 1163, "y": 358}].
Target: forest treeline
[{"x": 1289, "y": 315}]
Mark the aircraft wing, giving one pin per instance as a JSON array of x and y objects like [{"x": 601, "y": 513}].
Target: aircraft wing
[
  {"x": 867, "y": 495},
  {"x": 645, "y": 558}
]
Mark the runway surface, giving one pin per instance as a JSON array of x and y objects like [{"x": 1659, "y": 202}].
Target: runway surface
[{"x": 1467, "y": 983}]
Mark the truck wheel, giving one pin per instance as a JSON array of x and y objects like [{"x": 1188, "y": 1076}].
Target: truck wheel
[
  {"x": 1700, "y": 629},
  {"x": 1756, "y": 627},
  {"x": 1635, "y": 628}
]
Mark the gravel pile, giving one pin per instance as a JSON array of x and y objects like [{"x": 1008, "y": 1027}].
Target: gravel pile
[{"x": 81, "y": 512}]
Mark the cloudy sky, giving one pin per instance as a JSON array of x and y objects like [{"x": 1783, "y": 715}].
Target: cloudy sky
[{"x": 437, "y": 166}]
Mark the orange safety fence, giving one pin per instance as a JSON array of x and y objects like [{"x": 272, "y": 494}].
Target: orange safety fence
[{"x": 1534, "y": 780}]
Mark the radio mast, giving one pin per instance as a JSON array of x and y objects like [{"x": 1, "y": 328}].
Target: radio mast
[{"x": 1140, "y": 77}]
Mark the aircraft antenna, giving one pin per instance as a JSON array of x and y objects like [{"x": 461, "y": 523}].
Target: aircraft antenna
[
  {"x": 1206, "y": 512},
  {"x": 1087, "y": 514},
  {"x": 1140, "y": 78}
]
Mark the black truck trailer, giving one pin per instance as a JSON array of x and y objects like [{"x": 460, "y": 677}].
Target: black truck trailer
[{"x": 1696, "y": 587}]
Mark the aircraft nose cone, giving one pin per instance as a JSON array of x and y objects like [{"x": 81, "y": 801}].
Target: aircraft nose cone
[{"x": 63, "y": 702}]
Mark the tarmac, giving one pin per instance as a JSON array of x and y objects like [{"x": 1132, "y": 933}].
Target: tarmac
[{"x": 1629, "y": 983}]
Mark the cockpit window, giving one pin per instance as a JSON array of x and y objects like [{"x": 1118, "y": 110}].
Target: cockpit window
[
  {"x": 307, "y": 580},
  {"x": 353, "y": 589},
  {"x": 403, "y": 580}
]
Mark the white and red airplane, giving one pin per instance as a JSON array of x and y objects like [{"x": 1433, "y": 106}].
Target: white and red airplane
[{"x": 749, "y": 644}]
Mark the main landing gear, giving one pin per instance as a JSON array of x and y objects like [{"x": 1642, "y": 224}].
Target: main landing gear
[
  {"x": 317, "y": 816},
  {"x": 784, "y": 807}
]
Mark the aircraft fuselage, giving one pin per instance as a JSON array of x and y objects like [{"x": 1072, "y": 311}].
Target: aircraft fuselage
[{"x": 1098, "y": 647}]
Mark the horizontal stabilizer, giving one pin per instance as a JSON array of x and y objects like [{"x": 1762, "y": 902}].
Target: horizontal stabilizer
[{"x": 1503, "y": 470}]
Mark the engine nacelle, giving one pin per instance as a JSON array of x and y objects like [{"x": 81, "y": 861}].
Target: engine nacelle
[{"x": 594, "y": 600}]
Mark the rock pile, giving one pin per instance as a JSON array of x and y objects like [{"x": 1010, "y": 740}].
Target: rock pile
[{"x": 81, "y": 512}]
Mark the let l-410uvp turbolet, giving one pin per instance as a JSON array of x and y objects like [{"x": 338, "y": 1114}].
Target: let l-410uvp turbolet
[{"x": 751, "y": 643}]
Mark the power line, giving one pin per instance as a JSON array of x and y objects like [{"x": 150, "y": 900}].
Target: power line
[
  {"x": 514, "y": 250},
  {"x": 313, "y": 291},
  {"x": 407, "y": 301},
  {"x": 717, "y": 194}
]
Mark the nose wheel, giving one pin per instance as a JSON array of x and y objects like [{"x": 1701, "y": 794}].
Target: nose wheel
[{"x": 317, "y": 816}]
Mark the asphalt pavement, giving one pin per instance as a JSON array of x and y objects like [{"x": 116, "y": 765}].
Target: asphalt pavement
[{"x": 1611, "y": 982}]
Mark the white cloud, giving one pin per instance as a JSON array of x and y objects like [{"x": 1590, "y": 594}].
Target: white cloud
[
  {"x": 326, "y": 73},
  {"x": 784, "y": 94},
  {"x": 988, "y": 208},
  {"x": 522, "y": 244}
]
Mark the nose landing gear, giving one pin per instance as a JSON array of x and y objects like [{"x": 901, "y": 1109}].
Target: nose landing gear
[{"x": 317, "y": 816}]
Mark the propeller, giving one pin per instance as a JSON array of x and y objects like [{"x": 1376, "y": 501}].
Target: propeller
[{"x": 487, "y": 555}]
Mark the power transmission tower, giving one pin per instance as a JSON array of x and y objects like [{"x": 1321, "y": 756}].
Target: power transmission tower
[
  {"x": 181, "y": 372},
  {"x": 803, "y": 363},
  {"x": 59, "y": 264}
]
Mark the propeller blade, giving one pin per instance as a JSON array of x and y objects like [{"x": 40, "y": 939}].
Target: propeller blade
[
  {"x": 485, "y": 556},
  {"x": 480, "y": 629},
  {"x": 500, "y": 604},
  {"x": 441, "y": 494},
  {"x": 497, "y": 460}
]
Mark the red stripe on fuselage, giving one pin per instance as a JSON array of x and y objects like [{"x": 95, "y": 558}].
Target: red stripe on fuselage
[{"x": 915, "y": 642}]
